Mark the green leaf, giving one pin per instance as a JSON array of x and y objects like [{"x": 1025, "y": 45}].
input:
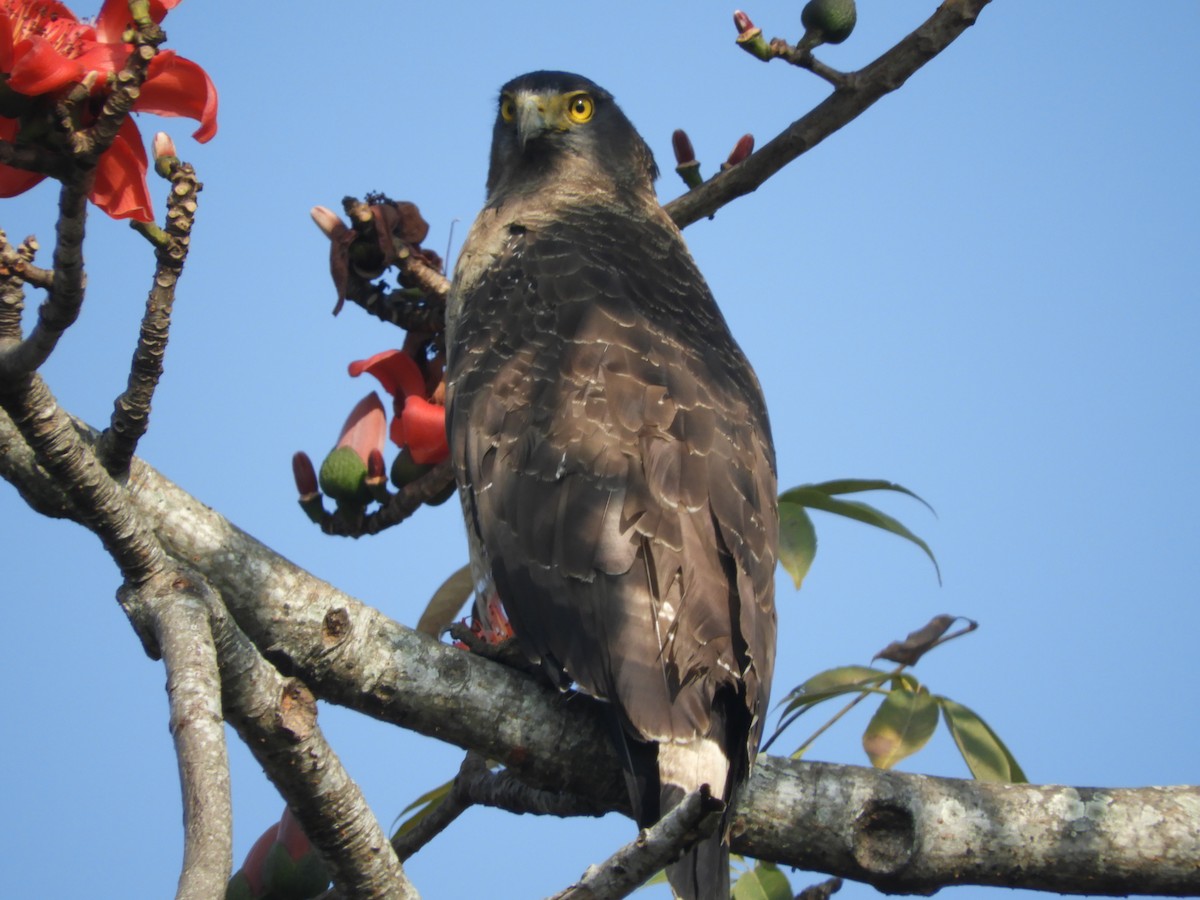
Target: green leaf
[
  {"x": 425, "y": 804},
  {"x": 833, "y": 683},
  {"x": 814, "y": 498},
  {"x": 906, "y": 681},
  {"x": 858, "y": 485},
  {"x": 986, "y": 755},
  {"x": 903, "y": 724},
  {"x": 763, "y": 882},
  {"x": 446, "y": 601},
  {"x": 797, "y": 541}
]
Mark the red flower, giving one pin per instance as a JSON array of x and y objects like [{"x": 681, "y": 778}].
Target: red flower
[
  {"x": 351, "y": 467},
  {"x": 44, "y": 49},
  {"x": 364, "y": 428},
  {"x": 418, "y": 424}
]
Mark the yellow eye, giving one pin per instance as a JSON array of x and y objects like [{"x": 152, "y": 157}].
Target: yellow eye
[
  {"x": 508, "y": 109},
  {"x": 580, "y": 108}
]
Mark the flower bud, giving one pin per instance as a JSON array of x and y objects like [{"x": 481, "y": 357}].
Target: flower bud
[
  {"x": 682, "y": 145},
  {"x": 305, "y": 474},
  {"x": 376, "y": 482},
  {"x": 328, "y": 221},
  {"x": 742, "y": 149},
  {"x": 827, "y": 22},
  {"x": 293, "y": 868},
  {"x": 165, "y": 157},
  {"x": 742, "y": 22},
  {"x": 343, "y": 476}
]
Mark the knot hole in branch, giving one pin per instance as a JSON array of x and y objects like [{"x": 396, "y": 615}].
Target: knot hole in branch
[{"x": 884, "y": 837}]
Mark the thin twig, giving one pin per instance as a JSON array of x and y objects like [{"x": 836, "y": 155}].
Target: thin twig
[
  {"x": 399, "y": 507},
  {"x": 415, "y": 272},
  {"x": 435, "y": 821},
  {"x": 131, "y": 410},
  {"x": 17, "y": 262},
  {"x": 654, "y": 848},
  {"x": 89, "y": 144},
  {"x": 803, "y": 57},
  {"x": 862, "y": 89},
  {"x": 407, "y": 308},
  {"x": 503, "y": 790},
  {"x": 65, "y": 296},
  {"x": 821, "y": 891}
]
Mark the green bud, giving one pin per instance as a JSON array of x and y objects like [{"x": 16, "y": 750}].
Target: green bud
[
  {"x": 827, "y": 22},
  {"x": 343, "y": 476},
  {"x": 405, "y": 469},
  {"x": 439, "y": 499},
  {"x": 239, "y": 887},
  {"x": 299, "y": 879}
]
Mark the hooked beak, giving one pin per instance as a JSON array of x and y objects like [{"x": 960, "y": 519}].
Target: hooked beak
[{"x": 532, "y": 121}]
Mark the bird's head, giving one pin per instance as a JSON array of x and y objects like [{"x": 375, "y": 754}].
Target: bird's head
[{"x": 546, "y": 119}]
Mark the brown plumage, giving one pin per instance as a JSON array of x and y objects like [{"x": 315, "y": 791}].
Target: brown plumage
[{"x": 613, "y": 453}]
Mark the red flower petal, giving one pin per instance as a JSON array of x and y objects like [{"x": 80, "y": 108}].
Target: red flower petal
[
  {"x": 14, "y": 181},
  {"x": 6, "y": 42},
  {"x": 38, "y": 67},
  {"x": 104, "y": 59},
  {"x": 252, "y": 868},
  {"x": 424, "y": 425},
  {"x": 176, "y": 86},
  {"x": 365, "y": 427},
  {"x": 120, "y": 186},
  {"x": 292, "y": 836},
  {"x": 396, "y": 371}
]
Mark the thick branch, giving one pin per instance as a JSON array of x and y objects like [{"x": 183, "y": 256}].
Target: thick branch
[
  {"x": 860, "y": 91},
  {"x": 903, "y": 833},
  {"x": 170, "y": 612},
  {"x": 277, "y": 719},
  {"x": 68, "y": 456},
  {"x": 914, "y": 834}
]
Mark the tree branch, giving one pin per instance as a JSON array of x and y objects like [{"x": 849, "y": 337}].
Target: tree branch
[
  {"x": 902, "y": 833},
  {"x": 277, "y": 719},
  {"x": 915, "y": 834},
  {"x": 178, "y": 619},
  {"x": 99, "y": 502},
  {"x": 653, "y": 849},
  {"x": 131, "y": 411},
  {"x": 407, "y": 841},
  {"x": 64, "y": 297},
  {"x": 858, "y": 93}
]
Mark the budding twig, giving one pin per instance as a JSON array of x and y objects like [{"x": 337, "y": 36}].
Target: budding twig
[{"x": 131, "y": 410}]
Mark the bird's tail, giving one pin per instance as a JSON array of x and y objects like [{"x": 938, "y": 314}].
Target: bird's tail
[{"x": 703, "y": 872}]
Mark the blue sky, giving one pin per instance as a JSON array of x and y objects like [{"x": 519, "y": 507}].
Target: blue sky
[{"x": 985, "y": 289}]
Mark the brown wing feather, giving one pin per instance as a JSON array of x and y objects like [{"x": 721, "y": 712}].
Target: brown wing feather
[{"x": 617, "y": 470}]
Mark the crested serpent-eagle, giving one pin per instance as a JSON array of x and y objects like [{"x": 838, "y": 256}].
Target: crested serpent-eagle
[{"x": 613, "y": 453}]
